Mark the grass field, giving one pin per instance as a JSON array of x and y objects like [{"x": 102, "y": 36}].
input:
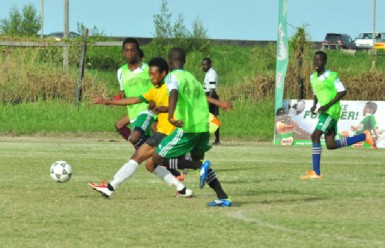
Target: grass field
[{"x": 272, "y": 206}]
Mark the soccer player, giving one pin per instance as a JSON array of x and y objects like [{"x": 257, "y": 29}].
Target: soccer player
[
  {"x": 210, "y": 84},
  {"x": 158, "y": 70},
  {"x": 328, "y": 91},
  {"x": 188, "y": 112},
  {"x": 134, "y": 80}
]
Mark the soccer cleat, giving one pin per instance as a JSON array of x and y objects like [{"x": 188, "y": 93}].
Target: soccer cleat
[
  {"x": 220, "y": 203},
  {"x": 203, "y": 171},
  {"x": 102, "y": 188},
  {"x": 311, "y": 175},
  {"x": 188, "y": 193},
  {"x": 369, "y": 139}
]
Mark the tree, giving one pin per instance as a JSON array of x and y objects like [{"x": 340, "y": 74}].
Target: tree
[
  {"x": 26, "y": 23},
  {"x": 167, "y": 35},
  {"x": 94, "y": 31}
]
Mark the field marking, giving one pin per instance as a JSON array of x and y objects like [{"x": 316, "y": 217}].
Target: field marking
[{"x": 241, "y": 216}]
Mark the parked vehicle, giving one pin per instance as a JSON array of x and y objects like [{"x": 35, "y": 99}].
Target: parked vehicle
[
  {"x": 337, "y": 41},
  {"x": 59, "y": 35},
  {"x": 365, "y": 40}
]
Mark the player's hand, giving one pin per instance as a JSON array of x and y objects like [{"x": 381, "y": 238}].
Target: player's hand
[
  {"x": 226, "y": 105},
  {"x": 151, "y": 105},
  {"x": 177, "y": 123},
  {"x": 313, "y": 109},
  {"x": 322, "y": 109},
  {"x": 160, "y": 109},
  {"x": 99, "y": 100}
]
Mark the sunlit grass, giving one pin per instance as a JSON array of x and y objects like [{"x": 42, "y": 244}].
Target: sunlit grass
[{"x": 272, "y": 206}]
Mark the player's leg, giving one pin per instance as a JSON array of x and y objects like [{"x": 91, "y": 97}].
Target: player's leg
[
  {"x": 171, "y": 152},
  {"x": 121, "y": 127},
  {"x": 127, "y": 170},
  {"x": 141, "y": 128},
  {"x": 348, "y": 141},
  {"x": 197, "y": 153},
  {"x": 164, "y": 174},
  {"x": 323, "y": 126},
  {"x": 160, "y": 171}
]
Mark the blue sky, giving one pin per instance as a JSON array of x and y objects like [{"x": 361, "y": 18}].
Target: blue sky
[{"x": 223, "y": 19}]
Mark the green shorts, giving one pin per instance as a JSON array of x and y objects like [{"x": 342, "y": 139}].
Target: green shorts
[
  {"x": 326, "y": 123},
  {"x": 143, "y": 122},
  {"x": 179, "y": 143}
]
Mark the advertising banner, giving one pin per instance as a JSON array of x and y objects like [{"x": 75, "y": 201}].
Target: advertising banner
[
  {"x": 282, "y": 54},
  {"x": 294, "y": 123}
]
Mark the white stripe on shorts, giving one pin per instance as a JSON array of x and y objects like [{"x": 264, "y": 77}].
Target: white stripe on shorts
[
  {"x": 326, "y": 124},
  {"x": 172, "y": 143}
]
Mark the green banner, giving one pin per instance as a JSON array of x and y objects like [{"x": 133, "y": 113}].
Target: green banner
[{"x": 282, "y": 55}]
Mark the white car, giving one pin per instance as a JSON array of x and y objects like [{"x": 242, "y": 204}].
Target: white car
[{"x": 365, "y": 40}]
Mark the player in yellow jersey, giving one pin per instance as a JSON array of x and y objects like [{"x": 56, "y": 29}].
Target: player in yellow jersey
[{"x": 158, "y": 96}]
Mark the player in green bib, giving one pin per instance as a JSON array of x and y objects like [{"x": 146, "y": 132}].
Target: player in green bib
[
  {"x": 328, "y": 91},
  {"x": 188, "y": 112},
  {"x": 134, "y": 80}
]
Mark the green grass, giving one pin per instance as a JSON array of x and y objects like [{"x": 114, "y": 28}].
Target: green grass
[
  {"x": 272, "y": 206},
  {"x": 249, "y": 120}
]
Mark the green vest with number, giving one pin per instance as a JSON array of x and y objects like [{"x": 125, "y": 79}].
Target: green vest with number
[
  {"x": 325, "y": 90},
  {"x": 192, "y": 107}
]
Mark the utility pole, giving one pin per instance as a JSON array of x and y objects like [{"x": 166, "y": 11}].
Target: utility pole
[
  {"x": 65, "y": 36},
  {"x": 374, "y": 26},
  {"x": 42, "y": 19}
]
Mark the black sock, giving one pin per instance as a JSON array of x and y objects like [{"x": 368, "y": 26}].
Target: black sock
[
  {"x": 109, "y": 186},
  {"x": 214, "y": 183},
  {"x": 183, "y": 191},
  {"x": 183, "y": 164}
]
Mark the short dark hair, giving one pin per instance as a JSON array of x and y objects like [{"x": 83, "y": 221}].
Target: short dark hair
[
  {"x": 207, "y": 59},
  {"x": 160, "y": 63},
  {"x": 131, "y": 40},
  {"x": 177, "y": 54},
  {"x": 322, "y": 53},
  {"x": 141, "y": 53},
  {"x": 372, "y": 106}
]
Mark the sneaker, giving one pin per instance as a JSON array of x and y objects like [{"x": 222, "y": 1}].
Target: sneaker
[
  {"x": 101, "y": 188},
  {"x": 220, "y": 203},
  {"x": 180, "y": 177},
  {"x": 369, "y": 139},
  {"x": 188, "y": 193},
  {"x": 312, "y": 175},
  {"x": 203, "y": 171}
]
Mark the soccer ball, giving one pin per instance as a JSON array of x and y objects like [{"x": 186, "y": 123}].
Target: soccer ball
[{"x": 60, "y": 171}]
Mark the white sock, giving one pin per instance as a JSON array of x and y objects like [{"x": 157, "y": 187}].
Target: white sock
[
  {"x": 126, "y": 171},
  {"x": 166, "y": 175}
]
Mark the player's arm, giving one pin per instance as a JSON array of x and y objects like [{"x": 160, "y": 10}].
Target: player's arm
[
  {"x": 120, "y": 102},
  {"x": 160, "y": 109},
  {"x": 172, "y": 100},
  {"x": 225, "y": 105},
  {"x": 173, "y": 87},
  {"x": 333, "y": 101}
]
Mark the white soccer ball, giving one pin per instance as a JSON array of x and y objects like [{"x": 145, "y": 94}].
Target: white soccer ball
[{"x": 61, "y": 171}]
